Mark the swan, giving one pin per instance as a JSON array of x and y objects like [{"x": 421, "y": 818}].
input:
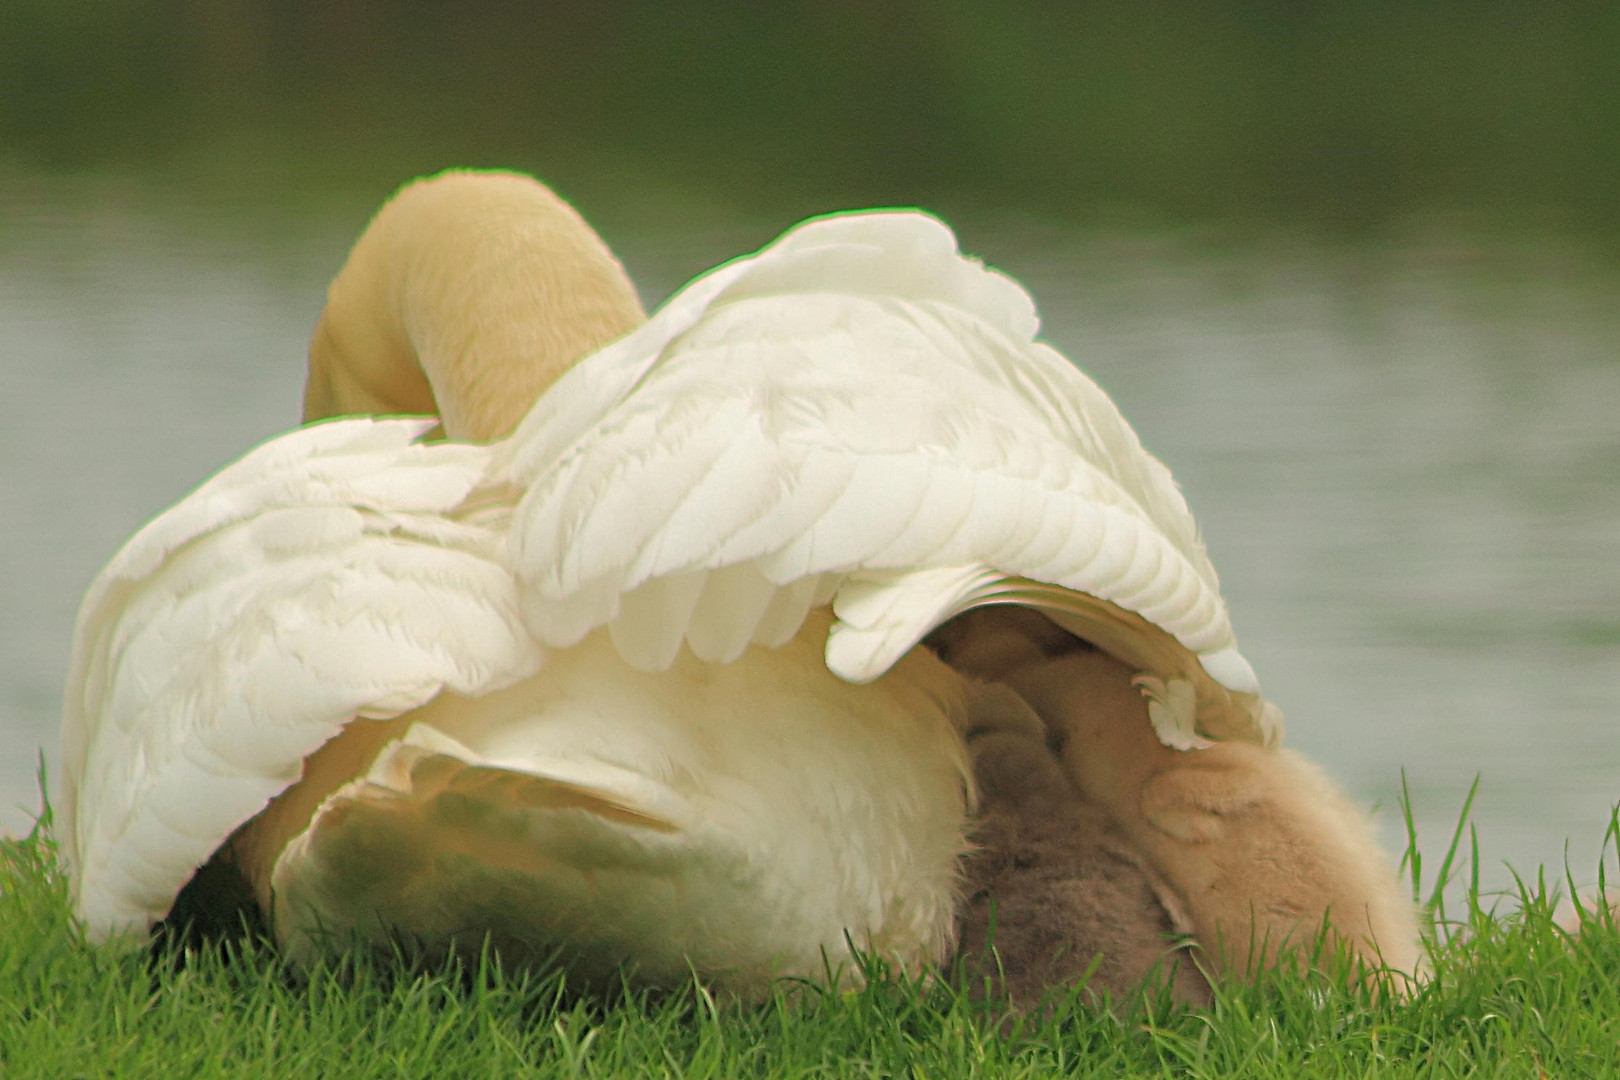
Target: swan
[{"x": 611, "y": 657}]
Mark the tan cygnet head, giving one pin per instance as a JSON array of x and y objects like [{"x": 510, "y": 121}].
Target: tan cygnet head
[{"x": 468, "y": 295}]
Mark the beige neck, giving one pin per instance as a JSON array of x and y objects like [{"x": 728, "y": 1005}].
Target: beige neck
[{"x": 467, "y": 296}]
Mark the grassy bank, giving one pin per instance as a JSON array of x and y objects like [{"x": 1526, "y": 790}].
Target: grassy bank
[{"x": 1512, "y": 995}]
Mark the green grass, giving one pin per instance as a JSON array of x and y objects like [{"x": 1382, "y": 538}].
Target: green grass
[{"x": 1512, "y": 995}]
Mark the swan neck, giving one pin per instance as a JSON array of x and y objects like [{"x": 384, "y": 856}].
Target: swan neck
[{"x": 467, "y": 296}]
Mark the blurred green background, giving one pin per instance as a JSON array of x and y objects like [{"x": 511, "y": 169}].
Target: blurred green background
[{"x": 1334, "y": 117}]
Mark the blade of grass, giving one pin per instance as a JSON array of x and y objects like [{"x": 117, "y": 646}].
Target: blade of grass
[{"x": 1437, "y": 897}]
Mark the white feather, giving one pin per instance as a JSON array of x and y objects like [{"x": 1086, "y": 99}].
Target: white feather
[
  {"x": 857, "y": 415},
  {"x": 859, "y": 398},
  {"x": 239, "y": 631}
]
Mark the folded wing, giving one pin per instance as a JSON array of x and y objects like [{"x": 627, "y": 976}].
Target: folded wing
[
  {"x": 858, "y": 411},
  {"x": 331, "y": 573}
]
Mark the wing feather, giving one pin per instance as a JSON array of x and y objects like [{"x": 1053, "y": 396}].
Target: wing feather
[
  {"x": 731, "y": 610},
  {"x": 325, "y": 575},
  {"x": 856, "y": 399}
]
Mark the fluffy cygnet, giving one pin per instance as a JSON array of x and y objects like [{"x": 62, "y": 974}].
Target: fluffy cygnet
[
  {"x": 1100, "y": 839},
  {"x": 1055, "y": 895}
]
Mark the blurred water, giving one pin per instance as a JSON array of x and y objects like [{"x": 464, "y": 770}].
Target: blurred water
[{"x": 1405, "y": 458}]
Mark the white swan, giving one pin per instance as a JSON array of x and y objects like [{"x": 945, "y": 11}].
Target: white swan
[{"x": 624, "y": 673}]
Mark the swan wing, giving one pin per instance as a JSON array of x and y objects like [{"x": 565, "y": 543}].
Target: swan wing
[
  {"x": 332, "y": 572},
  {"x": 860, "y": 411}
]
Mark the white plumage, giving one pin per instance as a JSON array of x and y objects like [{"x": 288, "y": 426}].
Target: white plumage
[
  {"x": 861, "y": 403},
  {"x": 583, "y": 665},
  {"x": 325, "y": 575}
]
